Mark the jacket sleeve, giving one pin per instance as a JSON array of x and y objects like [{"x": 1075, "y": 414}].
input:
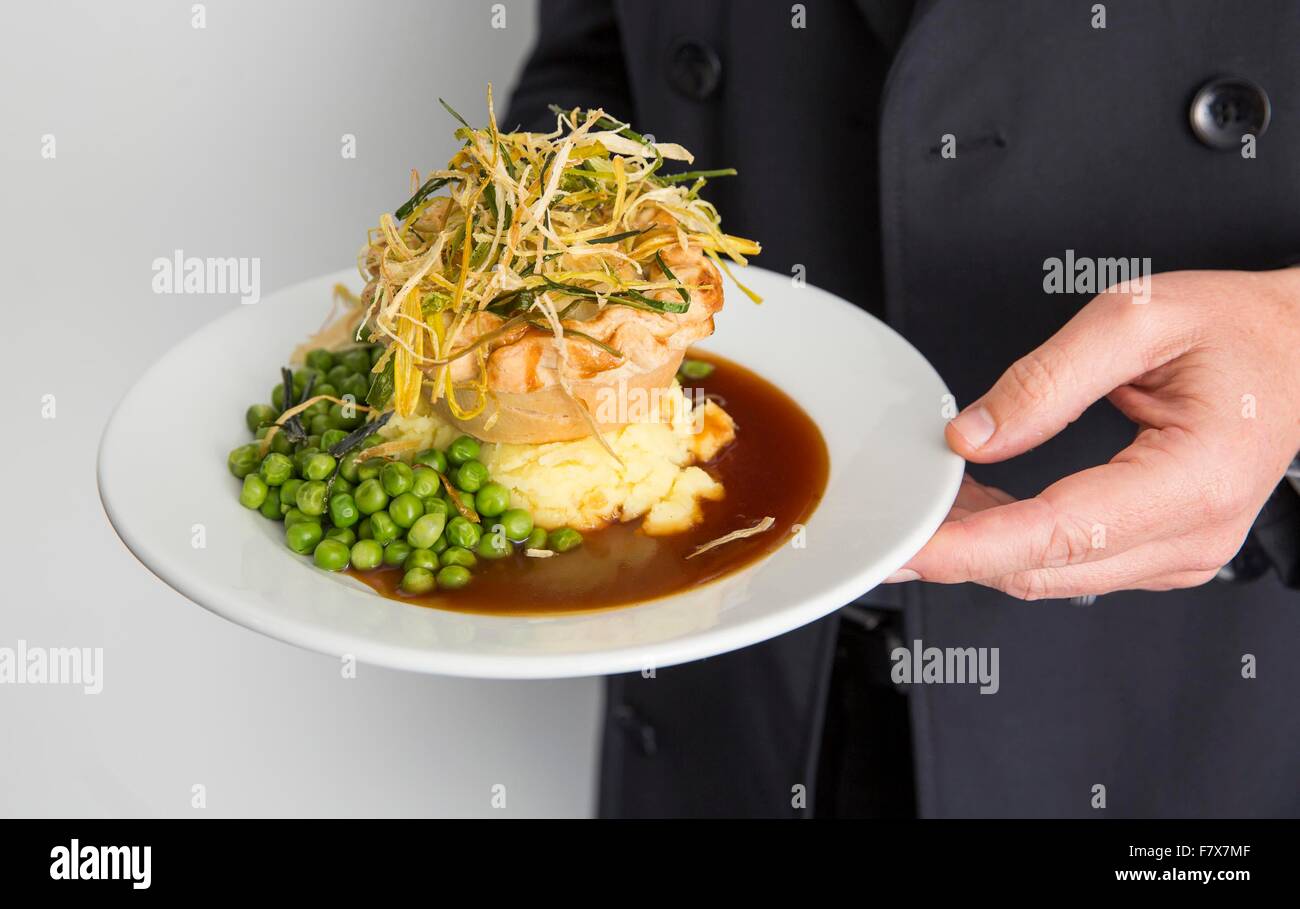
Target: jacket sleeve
[
  {"x": 1275, "y": 535},
  {"x": 577, "y": 61}
]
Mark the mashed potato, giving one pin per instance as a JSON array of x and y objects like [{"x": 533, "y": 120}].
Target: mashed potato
[{"x": 577, "y": 483}]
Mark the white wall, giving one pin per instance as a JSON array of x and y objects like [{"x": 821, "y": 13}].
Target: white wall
[{"x": 221, "y": 141}]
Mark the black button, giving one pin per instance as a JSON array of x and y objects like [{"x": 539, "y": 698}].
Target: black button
[
  {"x": 1227, "y": 108},
  {"x": 694, "y": 69}
]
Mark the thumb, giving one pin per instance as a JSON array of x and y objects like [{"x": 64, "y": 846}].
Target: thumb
[{"x": 1107, "y": 344}]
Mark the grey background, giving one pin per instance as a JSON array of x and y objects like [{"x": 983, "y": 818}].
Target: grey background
[{"x": 222, "y": 141}]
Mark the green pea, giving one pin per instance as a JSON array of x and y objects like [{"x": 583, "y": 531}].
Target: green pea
[
  {"x": 277, "y": 397},
  {"x": 367, "y": 555},
  {"x": 311, "y": 498},
  {"x": 424, "y": 482},
  {"x": 340, "y": 486},
  {"x": 337, "y": 374},
  {"x": 325, "y": 389},
  {"x": 271, "y": 507},
  {"x": 372, "y": 440},
  {"x": 301, "y": 455},
  {"x": 405, "y": 510},
  {"x": 332, "y": 555},
  {"x": 397, "y": 478},
  {"x": 319, "y": 424},
  {"x": 293, "y": 516},
  {"x": 494, "y": 545},
  {"x": 457, "y": 555},
  {"x": 254, "y": 492},
  {"x": 276, "y": 469},
  {"x": 345, "y": 535},
  {"x": 300, "y": 377},
  {"x": 318, "y": 416},
  {"x": 331, "y": 437},
  {"x": 303, "y": 537},
  {"x": 370, "y": 496},
  {"x": 518, "y": 524},
  {"x": 345, "y": 416},
  {"x": 320, "y": 359},
  {"x": 536, "y": 539},
  {"x": 355, "y": 387},
  {"x": 369, "y": 470},
  {"x": 453, "y": 577},
  {"x": 280, "y": 444},
  {"x": 432, "y": 457},
  {"x": 437, "y": 506},
  {"x": 418, "y": 580},
  {"x": 461, "y": 450},
  {"x": 440, "y": 544},
  {"x": 319, "y": 466},
  {"x": 470, "y": 476},
  {"x": 356, "y": 360},
  {"x": 363, "y": 530},
  {"x": 491, "y": 499},
  {"x": 395, "y": 553},
  {"x": 425, "y": 530},
  {"x": 562, "y": 539},
  {"x": 421, "y": 558},
  {"x": 258, "y": 415},
  {"x": 383, "y": 528},
  {"x": 343, "y": 510},
  {"x": 243, "y": 460},
  {"x": 289, "y": 494},
  {"x": 696, "y": 369},
  {"x": 461, "y": 532},
  {"x": 349, "y": 467}
]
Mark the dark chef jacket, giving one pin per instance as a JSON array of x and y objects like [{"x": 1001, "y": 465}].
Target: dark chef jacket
[{"x": 1068, "y": 137}]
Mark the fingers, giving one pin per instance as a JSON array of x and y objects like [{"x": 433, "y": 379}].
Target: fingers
[
  {"x": 1140, "y": 496},
  {"x": 1108, "y": 343},
  {"x": 973, "y": 496},
  {"x": 1151, "y": 567}
]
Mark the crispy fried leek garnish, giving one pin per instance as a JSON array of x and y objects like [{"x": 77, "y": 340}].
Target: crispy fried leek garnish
[
  {"x": 340, "y": 329},
  {"x": 296, "y": 409},
  {"x": 454, "y": 496},
  {"x": 761, "y": 527},
  {"x": 527, "y": 225}
]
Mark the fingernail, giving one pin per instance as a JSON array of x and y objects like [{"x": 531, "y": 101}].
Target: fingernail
[
  {"x": 975, "y": 425},
  {"x": 903, "y": 574}
]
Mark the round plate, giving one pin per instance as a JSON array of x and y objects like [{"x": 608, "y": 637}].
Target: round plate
[{"x": 165, "y": 487}]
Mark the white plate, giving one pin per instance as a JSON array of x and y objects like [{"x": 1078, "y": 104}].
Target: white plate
[{"x": 165, "y": 487}]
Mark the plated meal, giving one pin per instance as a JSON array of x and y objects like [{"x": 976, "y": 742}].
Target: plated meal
[
  {"x": 509, "y": 417},
  {"x": 523, "y": 417}
]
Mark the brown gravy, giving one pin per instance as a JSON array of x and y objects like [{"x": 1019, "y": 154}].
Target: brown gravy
[{"x": 778, "y": 465}]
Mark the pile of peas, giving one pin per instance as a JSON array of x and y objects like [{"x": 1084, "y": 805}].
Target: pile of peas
[{"x": 377, "y": 513}]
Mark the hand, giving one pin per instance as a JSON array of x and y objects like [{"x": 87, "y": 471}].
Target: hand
[{"x": 1208, "y": 369}]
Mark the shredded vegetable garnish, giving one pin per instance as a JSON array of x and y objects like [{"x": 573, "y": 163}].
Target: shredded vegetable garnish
[
  {"x": 528, "y": 232},
  {"x": 287, "y": 418},
  {"x": 340, "y": 328},
  {"x": 760, "y": 527}
]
